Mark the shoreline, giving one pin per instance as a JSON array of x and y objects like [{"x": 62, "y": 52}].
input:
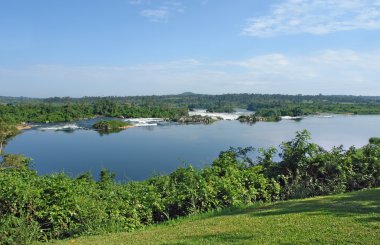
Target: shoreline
[
  {"x": 22, "y": 127},
  {"x": 27, "y": 126},
  {"x": 126, "y": 127}
]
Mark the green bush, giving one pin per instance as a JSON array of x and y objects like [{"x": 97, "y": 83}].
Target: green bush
[
  {"x": 110, "y": 125},
  {"x": 19, "y": 230}
]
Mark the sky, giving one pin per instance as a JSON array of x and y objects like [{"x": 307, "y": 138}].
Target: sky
[{"x": 144, "y": 47}]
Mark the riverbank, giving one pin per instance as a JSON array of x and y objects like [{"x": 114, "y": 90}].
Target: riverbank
[
  {"x": 22, "y": 127},
  {"x": 196, "y": 117}
]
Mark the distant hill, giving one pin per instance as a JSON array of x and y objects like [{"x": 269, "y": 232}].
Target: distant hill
[
  {"x": 9, "y": 99},
  {"x": 188, "y": 94}
]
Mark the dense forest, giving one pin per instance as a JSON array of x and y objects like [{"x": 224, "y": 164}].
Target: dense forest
[
  {"x": 70, "y": 111},
  {"x": 34, "y": 207},
  {"x": 56, "y": 109}
]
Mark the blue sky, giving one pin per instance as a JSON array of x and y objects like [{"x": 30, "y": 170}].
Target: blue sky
[{"x": 142, "y": 47}]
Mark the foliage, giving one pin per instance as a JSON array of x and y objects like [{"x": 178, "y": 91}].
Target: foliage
[
  {"x": 15, "y": 161},
  {"x": 374, "y": 141},
  {"x": 110, "y": 125},
  {"x": 7, "y": 131},
  {"x": 196, "y": 119},
  {"x": 253, "y": 118},
  {"x": 70, "y": 111},
  {"x": 220, "y": 107},
  {"x": 19, "y": 230},
  {"x": 57, "y": 206},
  {"x": 174, "y": 106}
]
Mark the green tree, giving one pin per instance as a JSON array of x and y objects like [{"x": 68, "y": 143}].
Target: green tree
[{"x": 7, "y": 131}]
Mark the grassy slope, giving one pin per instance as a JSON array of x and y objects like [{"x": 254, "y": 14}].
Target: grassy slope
[{"x": 352, "y": 218}]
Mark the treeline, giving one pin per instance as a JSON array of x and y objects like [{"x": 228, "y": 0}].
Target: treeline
[
  {"x": 374, "y": 140},
  {"x": 55, "y": 206},
  {"x": 69, "y": 111},
  {"x": 275, "y": 103},
  {"x": 315, "y": 108}
]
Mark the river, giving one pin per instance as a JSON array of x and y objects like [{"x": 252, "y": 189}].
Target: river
[{"x": 161, "y": 147}]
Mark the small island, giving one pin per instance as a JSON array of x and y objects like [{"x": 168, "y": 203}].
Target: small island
[
  {"x": 253, "y": 118},
  {"x": 111, "y": 125},
  {"x": 196, "y": 119}
]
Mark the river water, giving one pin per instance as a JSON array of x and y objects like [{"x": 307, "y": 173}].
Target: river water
[{"x": 161, "y": 147}]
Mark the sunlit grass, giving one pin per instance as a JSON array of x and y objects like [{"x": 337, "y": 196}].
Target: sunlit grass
[{"x": 352, "y": 218}]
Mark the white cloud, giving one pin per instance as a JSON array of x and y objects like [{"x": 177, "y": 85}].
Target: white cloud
[
  {"x": 158, "y": 11},
  {"x": 316, "y": 17},
  {"x": 138, "y": 2},
  {"x": 156, "y": 15},
  {"x": 260, "y": 62},
  {"x": 327, "y": 72}
]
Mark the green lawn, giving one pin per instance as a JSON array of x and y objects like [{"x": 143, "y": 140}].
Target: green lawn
[{"x": 352, "y": 218}]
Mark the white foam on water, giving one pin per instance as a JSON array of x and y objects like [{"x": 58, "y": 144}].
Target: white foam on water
[
  {"x": 144, "y": 122},
  {"x": 223, "y": 116},
  {"x": 71, "y": 126}
]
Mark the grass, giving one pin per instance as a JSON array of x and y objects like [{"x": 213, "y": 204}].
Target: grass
[{"x": 352, "y": 218}]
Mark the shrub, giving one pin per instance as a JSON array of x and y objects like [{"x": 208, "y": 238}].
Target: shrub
[{"x": 110, "y": 125}]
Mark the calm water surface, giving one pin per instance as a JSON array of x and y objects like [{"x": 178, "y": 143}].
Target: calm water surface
[{"x": 139, "y": 152}]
